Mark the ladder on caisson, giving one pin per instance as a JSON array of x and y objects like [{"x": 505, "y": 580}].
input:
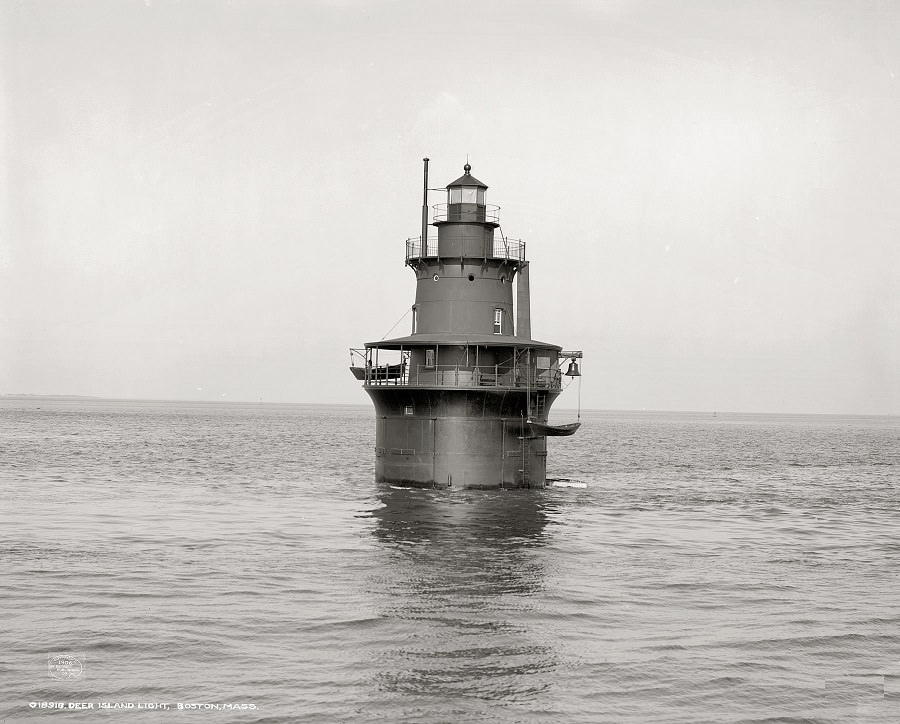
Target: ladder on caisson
[{"x": 525, "y": 448}]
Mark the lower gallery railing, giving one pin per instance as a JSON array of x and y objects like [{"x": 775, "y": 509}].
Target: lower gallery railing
[{"x": 458, "y": 376}]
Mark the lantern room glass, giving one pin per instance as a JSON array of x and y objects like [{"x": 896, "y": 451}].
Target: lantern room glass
[{"x": 466, "y": 195}]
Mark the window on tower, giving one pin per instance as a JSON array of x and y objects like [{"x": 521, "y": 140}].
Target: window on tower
[{"x": 498, "y": 321}]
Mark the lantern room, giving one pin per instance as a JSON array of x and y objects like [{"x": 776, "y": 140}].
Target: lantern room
[
  {"x": 465, "y": 201},
  {"x": 466, "y": 189}
]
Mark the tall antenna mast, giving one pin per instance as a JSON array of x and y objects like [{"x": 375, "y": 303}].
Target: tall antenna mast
[{"x": 425, "y": 211}]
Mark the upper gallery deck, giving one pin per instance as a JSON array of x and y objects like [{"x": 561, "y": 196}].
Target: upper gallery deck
[{"x": 477, "y": 247}]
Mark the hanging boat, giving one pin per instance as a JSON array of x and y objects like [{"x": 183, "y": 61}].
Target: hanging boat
[{"x": 541, "y": 429}]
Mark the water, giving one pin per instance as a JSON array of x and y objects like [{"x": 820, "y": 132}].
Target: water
[{"x": 685, "y": 568}]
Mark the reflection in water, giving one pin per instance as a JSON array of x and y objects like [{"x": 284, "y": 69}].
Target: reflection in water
[{"x": 459, "y": 582}]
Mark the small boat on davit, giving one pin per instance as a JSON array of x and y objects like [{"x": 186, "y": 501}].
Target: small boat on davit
[{"x": 542, "y": 429}]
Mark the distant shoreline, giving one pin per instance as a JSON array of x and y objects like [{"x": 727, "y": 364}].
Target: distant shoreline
[
  {"x": 32, "y": 396},
  {"x": 6, "y": 396},
  {"x": 712, "y": 414}
]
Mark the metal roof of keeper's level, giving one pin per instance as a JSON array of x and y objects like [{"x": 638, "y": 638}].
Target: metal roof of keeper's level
[{"x": 449, "y": 339}]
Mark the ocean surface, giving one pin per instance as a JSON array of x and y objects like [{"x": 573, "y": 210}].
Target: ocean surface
[{"x": 239, "y": 561}]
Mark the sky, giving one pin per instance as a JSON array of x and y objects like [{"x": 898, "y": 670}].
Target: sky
[{"x": 209, "y": 200}]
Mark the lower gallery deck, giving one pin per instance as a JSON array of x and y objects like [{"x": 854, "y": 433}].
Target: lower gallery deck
[{"x": 463, "y": 365}]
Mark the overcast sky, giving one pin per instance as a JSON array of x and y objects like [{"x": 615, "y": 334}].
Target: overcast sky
[{"x": 209, "y": 200}]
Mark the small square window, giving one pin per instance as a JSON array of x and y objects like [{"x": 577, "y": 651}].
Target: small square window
[{"x": 408, "y": 410}]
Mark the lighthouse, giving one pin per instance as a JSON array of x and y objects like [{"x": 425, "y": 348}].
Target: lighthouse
[{"x": 463, "y": 400}]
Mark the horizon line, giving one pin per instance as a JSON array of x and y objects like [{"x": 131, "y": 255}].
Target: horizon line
[{"x": 98, "y": 398}]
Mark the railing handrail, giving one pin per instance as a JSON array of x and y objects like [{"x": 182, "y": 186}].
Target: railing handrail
[
  {"x": 441, "y": 212},
  {"x": 501, "y": 248},
  {"x": 506, "y": 248},
  {"x": 414, "y": 247},
  {"x": 506, "y": 375}
]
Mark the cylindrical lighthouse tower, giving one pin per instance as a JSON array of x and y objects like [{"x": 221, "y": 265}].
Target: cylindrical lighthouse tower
[{"x": 463, "y": 400}]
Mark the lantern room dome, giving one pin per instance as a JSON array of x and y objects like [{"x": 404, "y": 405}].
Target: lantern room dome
[{"x": 467, "y": 179}]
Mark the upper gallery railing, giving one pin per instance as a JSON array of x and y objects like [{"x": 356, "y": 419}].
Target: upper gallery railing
[
  {"x": 414, "y": 248},
  {"x": 466, "y": 212},
  {"x": 510, "y": 249}
]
